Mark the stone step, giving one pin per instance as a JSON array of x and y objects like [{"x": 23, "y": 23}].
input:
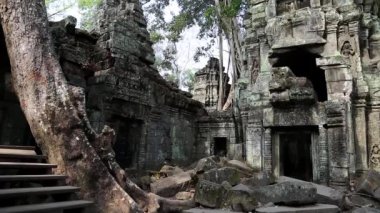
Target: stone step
[
  {"x": 17, "y": 151},
  {"x": 21, "y": 156},
  {"x": 47, "y": 207},
  {"x": 9, "y": 178},
  {"x": 17, "y": 192},
  {"x": 21, "y": 165},
  {"x": 317, "y": 208},
  {"x": 17, "y": 147}
]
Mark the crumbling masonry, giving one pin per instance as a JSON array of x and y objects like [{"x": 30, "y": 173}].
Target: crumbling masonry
[{"x": 307, "y": 104}]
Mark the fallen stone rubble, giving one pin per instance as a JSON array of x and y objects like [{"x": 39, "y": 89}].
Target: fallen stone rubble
[{"x": 220, "y": 185}]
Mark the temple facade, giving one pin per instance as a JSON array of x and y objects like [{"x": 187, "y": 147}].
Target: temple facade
[
  {"x": 308, "y": 100},
  {"x": 307, "y": 104}
]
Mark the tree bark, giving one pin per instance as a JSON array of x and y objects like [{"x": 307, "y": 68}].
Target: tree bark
[
  {"x": 220, "y": 34},
  {"x": 49, "y": 108}
]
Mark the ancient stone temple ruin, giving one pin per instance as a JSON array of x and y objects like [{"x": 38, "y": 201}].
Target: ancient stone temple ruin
[
  {"x": 309, "y": 97},
  {"x": 307, "y": 104},
  {"x": 206, "y": 86}
]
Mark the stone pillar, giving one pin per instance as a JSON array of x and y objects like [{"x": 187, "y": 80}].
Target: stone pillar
[
  {"x": 267, "y": 150},
  {"x": 323, "y": 155},
  {"x": 337, "y": 143},
  {"x": 374, "y": 135},
  {"x": 332, "y": 20},
  {"x": 360, "y": 125},
  {"x": 254, "y": 136},
  {"x": 339, "y": 88}
]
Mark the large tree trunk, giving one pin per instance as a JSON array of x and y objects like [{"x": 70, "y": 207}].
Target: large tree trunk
[
  {"x": 57, "y": 117},
  {"x": 49, "y": 108}
]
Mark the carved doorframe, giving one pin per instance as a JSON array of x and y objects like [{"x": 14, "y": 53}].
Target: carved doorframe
[{"x": 275, "y": 151}]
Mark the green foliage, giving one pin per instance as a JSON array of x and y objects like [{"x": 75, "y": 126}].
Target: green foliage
[
  {"x": 189, "y": 79},
  {"x": 86, "y": 4},
  {"x": 232, "y": 10},
  {"x": 156, "y": 37}
]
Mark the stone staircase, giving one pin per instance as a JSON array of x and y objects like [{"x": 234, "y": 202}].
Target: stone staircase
[{"x": 28, "y": 185}]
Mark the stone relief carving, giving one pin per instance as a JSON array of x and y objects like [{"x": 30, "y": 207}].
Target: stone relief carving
[
  {"x": 286, "y": 87},
  {"x": 347, "y": 49},
  {"x": 375, "y": 155},
  {"x": 255, "y": 70}
]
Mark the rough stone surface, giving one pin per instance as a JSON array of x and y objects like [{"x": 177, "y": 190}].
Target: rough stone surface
[
  {"x": 289, "y": 193},
  {"x": 206, "y": 164},
  {"x": 240, "y": 198},
  {"x": 259, "y": 179},
  {"x": 184, "y": 196},
  {"x": 230, "y": 175},
  {"x": 209, "y": 194},
  {"x": 239, "y": 165},
  {"x": 170, "y": 170},
  {"x": 370, "y": 184},
  {"x": 318, "y": 208},
  {"x": 170, "y": 186},
  {"x": 325, "y": 195},
  {"x": 366, "y": 210},
  {"x": 199, "y": 210}
]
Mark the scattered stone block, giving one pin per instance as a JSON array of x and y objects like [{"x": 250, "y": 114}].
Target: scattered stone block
[
  {"x": 209, "y": 194},
  {"x": 239, "y": 165},
  {"x": 287, "y": 193},
  {"x": 184, "y": 196},
  {"x": 231, "y": 175},
  {"x": 170, "y": 170},
  {"x": 169, "y": 186},
  {"x": 325, "y": 195},
  {"x": 240, "y": 198},
  {"x": 259, "y": 179},
  {"x": 206, "y": 164},
  {"x": 370, "y": 184}
]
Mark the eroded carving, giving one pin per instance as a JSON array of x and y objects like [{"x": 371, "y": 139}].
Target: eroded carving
[{"x": 285, "y": 87}]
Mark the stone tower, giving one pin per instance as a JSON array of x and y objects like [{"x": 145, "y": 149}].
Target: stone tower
[{"x": 206, "y": 87}]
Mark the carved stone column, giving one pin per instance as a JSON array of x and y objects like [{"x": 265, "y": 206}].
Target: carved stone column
[
  {"x": 360, "y": 136},
  {"x": 339, "y": 88},
  {"x": 332, "y": 20},
  {"x": 267, "y": 150},
  {"x": 337, "y": 143},
  {"x": 374, "y": 135}
]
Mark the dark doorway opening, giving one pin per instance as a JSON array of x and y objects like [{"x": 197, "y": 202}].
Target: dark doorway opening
[
  {"x": 295, "y": 155},
  {"x": 220, "y": 146},
  {"x": 303, "y": 64},
  {"x": 14, "y": 129},
  {"x": 128, "y": 140}
]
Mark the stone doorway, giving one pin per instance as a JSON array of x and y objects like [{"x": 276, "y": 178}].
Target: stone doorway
[
  {"x": 220, "y": 146},
  {"x": 128, "y": 140},
  {"x": 295, "y": 154}
]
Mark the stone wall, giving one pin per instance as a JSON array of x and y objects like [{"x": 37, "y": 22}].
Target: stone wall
[
  {"x": 154, "y": 121},
  {"x": 333, "y": 33}
]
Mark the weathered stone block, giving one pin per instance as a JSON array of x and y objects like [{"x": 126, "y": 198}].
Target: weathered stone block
[
  {"x": 209, "y": 194},
  {"x": 259, "y": 179},
  {"x": 231, "y": 175},
  {"x": 170, "y": 186},
  {"x": 240, "y": 198},
  {"x": 288, "y": 193},
  {"x": 206, "y": 164}
]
